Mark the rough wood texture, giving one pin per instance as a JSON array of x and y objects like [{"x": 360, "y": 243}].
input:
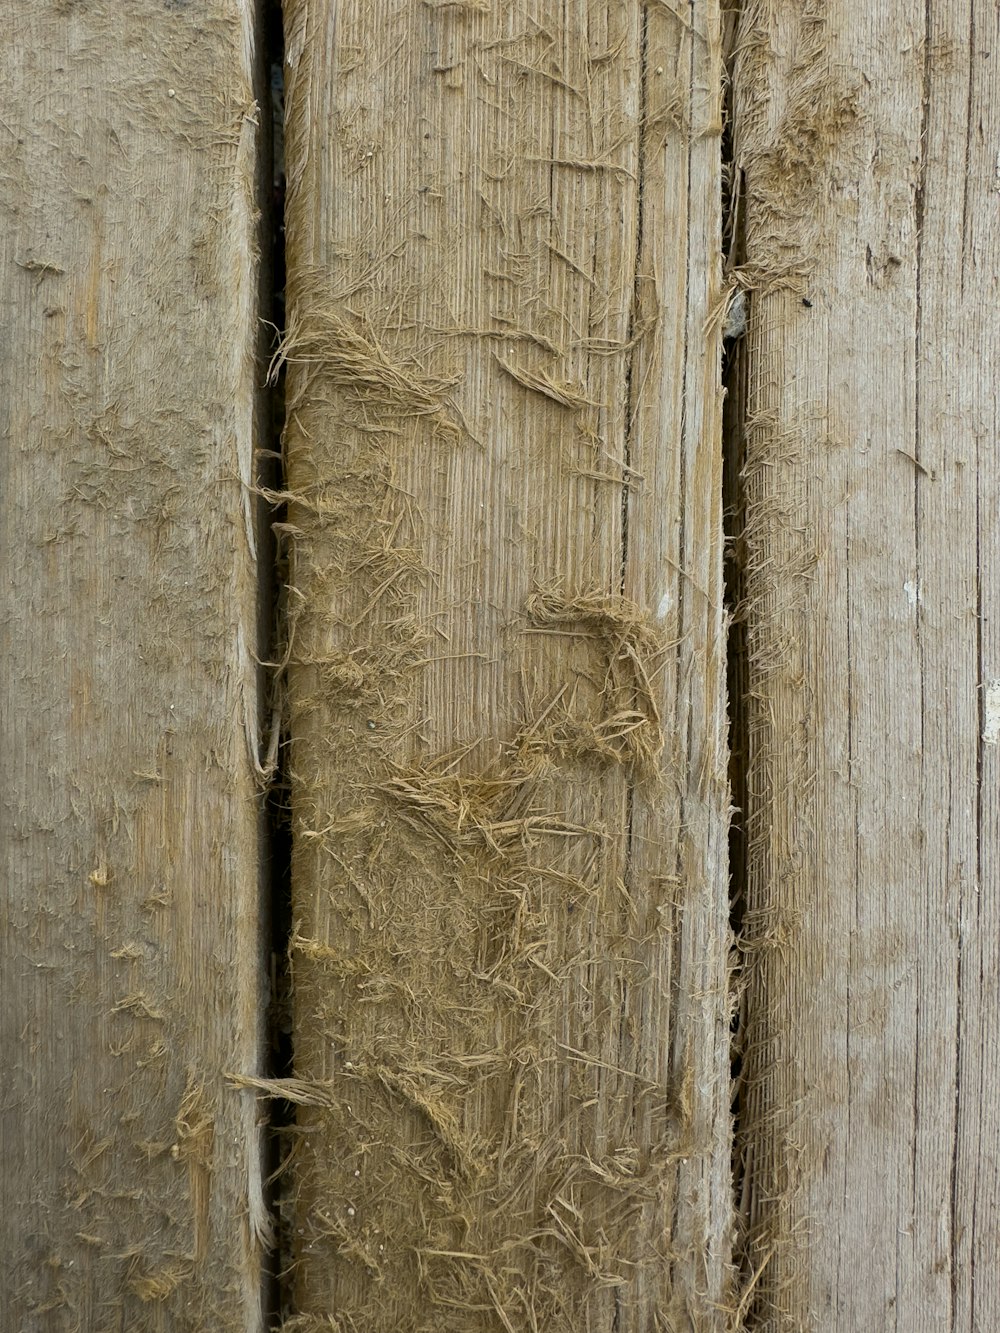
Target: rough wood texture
[
  {"x": 131, "y": 1177},
  {"x": 506, "y": 667},
  {"x": 869, "y": 140}
]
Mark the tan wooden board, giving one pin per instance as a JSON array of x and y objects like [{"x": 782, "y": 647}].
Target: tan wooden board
[
  {"x": 507, "y": 667},
  {"x": 131, "y": 1178},
  {"x": 869, "y": 139}
]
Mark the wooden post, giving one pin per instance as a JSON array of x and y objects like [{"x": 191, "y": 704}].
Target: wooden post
[
  {"x": 507, "y": 664},
  {"x": 868, "y": 137},
  {"x": 131, "y": 1183}
]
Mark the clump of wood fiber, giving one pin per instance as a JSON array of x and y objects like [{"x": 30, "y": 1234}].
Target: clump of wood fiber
[
  {"x": 627, "y": 728},
  {"x": 784, "y": 148},
  {"x": 349, "y": 357}
]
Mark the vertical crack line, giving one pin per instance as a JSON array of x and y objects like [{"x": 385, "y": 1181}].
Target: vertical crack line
[
  {"x": 734, "y": 371},
  {"x": 277, "y": 905},
  {"x": 631, "y": 394}
]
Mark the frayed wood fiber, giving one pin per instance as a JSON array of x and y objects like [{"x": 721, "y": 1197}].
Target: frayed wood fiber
[
  {"x": 131, "y": 1192},
  {"x": 505, "y": 670}
]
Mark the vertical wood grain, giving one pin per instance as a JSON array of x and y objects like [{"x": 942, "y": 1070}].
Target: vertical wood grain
[
  {"x": 131, "y": 1182},
  {"x": 869, "y": 144},
  {"x": 506, "y": 667}
]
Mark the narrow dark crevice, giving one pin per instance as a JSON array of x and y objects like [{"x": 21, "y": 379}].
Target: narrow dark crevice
[
  {"x": 274, "y": 577},
  {"x": 734, "y": 379},
  {"x": 635, "y": 311},
  {"x": 737, "y": 684}
]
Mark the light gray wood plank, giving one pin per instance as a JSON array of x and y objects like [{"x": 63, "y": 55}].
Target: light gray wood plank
[
  {"x": 131, "y": 1183},
  {"x": 869, "y": 139}
]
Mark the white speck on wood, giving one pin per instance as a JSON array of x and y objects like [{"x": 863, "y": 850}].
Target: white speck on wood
[{"x": 991, "y": 713}]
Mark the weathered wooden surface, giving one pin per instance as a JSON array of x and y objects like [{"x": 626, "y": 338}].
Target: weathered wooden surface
[
  {"x": 130, "y": 1193},
  {"x": 869, "y": 139},
  {"x": 506, "y": 667}
]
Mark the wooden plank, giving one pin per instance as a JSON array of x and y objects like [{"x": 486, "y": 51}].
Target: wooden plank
[
  {"x": 131, "y": 1186},
  {"x": 506, "y": 667},
  {"x": 868, "y": 138}
]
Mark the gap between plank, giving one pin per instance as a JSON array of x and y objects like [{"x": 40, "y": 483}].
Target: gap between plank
[
  {"x": 734, "y": 380},
  {"x": 277, "y": 908}
]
